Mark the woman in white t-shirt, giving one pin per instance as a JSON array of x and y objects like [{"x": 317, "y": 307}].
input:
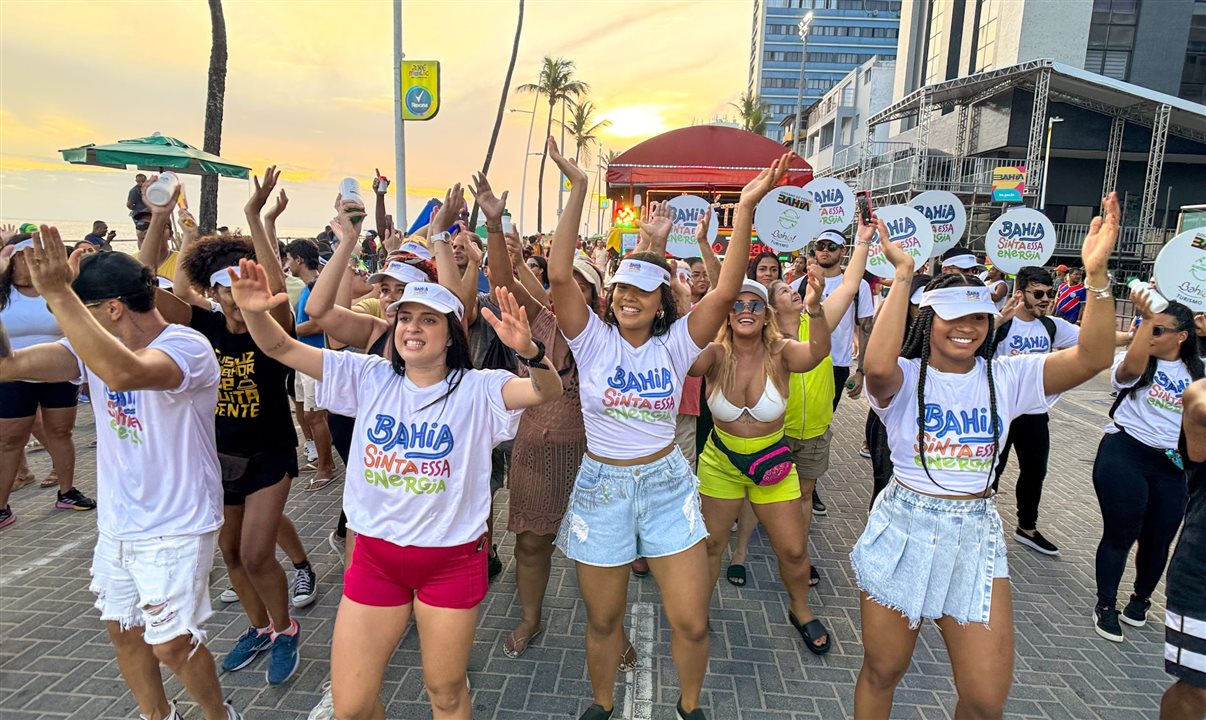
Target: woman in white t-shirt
[
  {"x": 998, "y": 286},
  {"x": 418, "y": 484},
  {"x": 933, "y": 546},
  {"x": 635, "y": 494},
  {"x": 1138, "y": 473}
]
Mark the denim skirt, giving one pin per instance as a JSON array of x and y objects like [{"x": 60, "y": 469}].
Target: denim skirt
[{"x": 930, "y": 557}]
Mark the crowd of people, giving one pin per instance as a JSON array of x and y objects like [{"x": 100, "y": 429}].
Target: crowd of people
[{"x": 639, "y": 409}]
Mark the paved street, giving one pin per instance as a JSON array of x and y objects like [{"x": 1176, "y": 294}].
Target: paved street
[{"x": 56, "y": 662}]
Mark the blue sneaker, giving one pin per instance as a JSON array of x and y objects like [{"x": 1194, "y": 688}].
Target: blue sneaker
[
  {"x": 246, "y": 649},
  {"x": 285, "y": 658}
]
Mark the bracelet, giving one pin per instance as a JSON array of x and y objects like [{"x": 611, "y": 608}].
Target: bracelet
[
  {"x": 1102, "y": 292},
  {"x": 535, "y": 361},
  {"x": 820, "y": 311},
  {"x": 441, "y": 237},
  {"x": 494, "y": 228}
]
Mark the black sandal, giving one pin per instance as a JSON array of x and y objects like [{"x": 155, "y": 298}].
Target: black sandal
[
  {"x": 696, "y": 714},
  {"x": 596, "y": 712},
  {"x": 812, "y": 631},
  {"x": 814, "y": 577},
  {"x": 736, "y": 575}
]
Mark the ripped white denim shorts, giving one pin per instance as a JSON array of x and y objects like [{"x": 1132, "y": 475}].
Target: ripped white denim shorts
[
  {"x": 617, "y": 514},
  {"x": 160, "y": 584}
]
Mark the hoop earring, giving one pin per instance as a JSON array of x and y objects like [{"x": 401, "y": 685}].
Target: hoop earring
[{"x": 661, "y": 314}]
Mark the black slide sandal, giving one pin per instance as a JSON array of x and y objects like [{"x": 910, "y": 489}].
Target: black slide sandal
[
  {"x": 811, "y": 631},
  {"x": 736, "y": 575},
  {"x": 814, "y": 577}
]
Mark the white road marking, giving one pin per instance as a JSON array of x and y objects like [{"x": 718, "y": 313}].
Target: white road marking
[
  {"x": 42, "y": 561},
  {"x": 638, "y": 699}
]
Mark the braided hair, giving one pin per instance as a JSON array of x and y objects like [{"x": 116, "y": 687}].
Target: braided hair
[{"x": 917, "y": 346}]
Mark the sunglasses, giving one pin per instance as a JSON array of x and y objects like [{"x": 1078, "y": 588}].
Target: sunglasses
[
  {"x": 755, "y": 306},
  {"x": 1040, "y": 294},
  {"x": 1158, "y": 330},
  {"x": 827, "y": 246}
]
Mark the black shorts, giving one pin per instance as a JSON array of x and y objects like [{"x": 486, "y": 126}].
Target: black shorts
[
  {"x": 22, "y": 399},
  {"x": 242, "y": 477},
  {"x": 1185, "y": 646}
]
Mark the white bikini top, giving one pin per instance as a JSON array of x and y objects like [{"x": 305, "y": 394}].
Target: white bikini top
[{"x": 770, "y": 407}]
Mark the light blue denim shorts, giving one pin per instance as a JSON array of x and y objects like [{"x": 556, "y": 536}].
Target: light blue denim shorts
[
  {"x": 929, "y": 557},
  {"x": 617, "y": 514}
]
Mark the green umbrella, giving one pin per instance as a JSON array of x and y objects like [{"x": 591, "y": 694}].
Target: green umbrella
[{"x": 156, "y": 152}]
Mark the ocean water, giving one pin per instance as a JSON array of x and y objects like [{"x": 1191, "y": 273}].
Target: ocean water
[{"x": 73, "y": 231}]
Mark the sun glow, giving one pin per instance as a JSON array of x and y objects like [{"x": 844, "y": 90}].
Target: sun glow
[{"x": 635, "y": 121}]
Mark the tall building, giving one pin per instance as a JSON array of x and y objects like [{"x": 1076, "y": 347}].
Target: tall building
[
  {"x": 1156, "y": 44},
  {"x": 833, "y": 128},
  {"x": 843, "y": 35}
]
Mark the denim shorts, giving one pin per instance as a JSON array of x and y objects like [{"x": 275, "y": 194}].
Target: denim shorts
[
  {"x": 930, "y": 557},
  {"x": 617, "y": 514},
  {"x": 160, "y": 584}
]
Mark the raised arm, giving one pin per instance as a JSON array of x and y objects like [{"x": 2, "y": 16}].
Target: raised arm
[
  {"x": 270, "y": 217},
  {"x": 266, "y": 252},
  {"x": 338, "y": 321},
  {"x": 379, "y": 213},
  {"x": 1065, "y": 369},
  {"x": 572, "y": 313},
  {"x": 528, "y": 282},
  {"x": 710, "y": 312},
  {"x": 882, "y": 375},
  {"x": 449, "y": 275},
  {"x": 120, "y": 367},
  {"x": 657, "y": 220},
  {"x": 511, "y": 325},
  {"x": 801, "y": 357},
  {"x": 1193, "y": 420},
  {"x": 251, "y": 294},
  {"x": 710, "y": 261},
  {"x": 501, "y": 260},
  {"x": 839, "y": 300},
  {"x": 44, "y": 362},
  {"x": 154, "y": 244}
]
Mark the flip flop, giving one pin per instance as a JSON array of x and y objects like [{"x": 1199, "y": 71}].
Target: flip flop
[
  {"x": 736, "y": 575},
  {"x": 814, "y": 577},
  {"x": 514, "y": 647},
  {"x": 22, "y": 480},
  {"x": 317, "y": 483},
  {"x": 628, "y": 659},
  {"x": 812, "y": 631},
  {"x": 50, "y": 480}
]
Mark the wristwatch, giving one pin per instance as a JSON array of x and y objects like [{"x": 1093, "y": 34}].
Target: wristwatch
[{"x": 441, "y": 237}]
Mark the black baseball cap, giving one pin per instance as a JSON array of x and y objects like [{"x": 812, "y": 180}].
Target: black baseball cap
[{"x": 104, "y": 276}]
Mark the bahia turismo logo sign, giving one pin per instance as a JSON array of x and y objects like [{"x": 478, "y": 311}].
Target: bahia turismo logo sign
[{"x": 787, "y": 219}]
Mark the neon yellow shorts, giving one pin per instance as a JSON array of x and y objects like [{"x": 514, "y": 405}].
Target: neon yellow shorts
[{"x": 719, "y": 479}]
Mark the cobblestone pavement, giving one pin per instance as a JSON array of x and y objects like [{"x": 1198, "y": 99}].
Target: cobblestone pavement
[{"x": 56, "y": 661}]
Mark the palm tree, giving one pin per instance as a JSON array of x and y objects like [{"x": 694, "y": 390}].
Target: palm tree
[
  {"x": 215, "y": 100},
  {"x": 556, "y": 83},
  {"x": 753, "y": 112},
  {"x": 502, "y": 107},
  {"x": 582, "y": 126}
]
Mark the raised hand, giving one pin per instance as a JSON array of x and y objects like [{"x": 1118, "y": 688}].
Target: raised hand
[
  {"x": 492, "y": 206},
  {"x": 568, "y": 166},
  {"x": 866, "y": 231},
  {"x": 346, "y": 223},
  {"x": 159, "y": 209},
  {"x": 7, "y": 232},
  {"x": 250, "y": 288},
  {"x": 514, "y": 247},
  {"x": 814, "y": 292},
  {"x": 512, "y": 324},
  {"x": 77, "y": 255},
  {"x": 701, "y": 229},
  {"x": 47, "y": 262},
  {"x": 261, "y": 192},
  {"x": 454, "y": 202},
  {"x": 1143, "y": 304},
  {"x": 656, "y": 228},
  {"x": 1010, "y": 308},
  {"x": 282, "y": 202},
  {"x": 1103, "y": 233},
  {"x": 766, "y": 181},
  {"x": 901, "y": 260},
  {"x": 186, "y": 219}
]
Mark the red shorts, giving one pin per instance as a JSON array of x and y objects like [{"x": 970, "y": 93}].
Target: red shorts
[{"x": 383, "y": 574}]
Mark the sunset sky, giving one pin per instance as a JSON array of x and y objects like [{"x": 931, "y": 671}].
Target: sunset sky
[{"x": 309, "y": 86}]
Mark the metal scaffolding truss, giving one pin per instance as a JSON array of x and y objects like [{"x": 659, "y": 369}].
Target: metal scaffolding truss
[
  {"x": 1038, "y": 118},
  {"x": 1155, "y": 163},
  {"x": 925, "y": 113},
  {"x": 1113, "y": 156},
  {"x": 996, "y": 80}
]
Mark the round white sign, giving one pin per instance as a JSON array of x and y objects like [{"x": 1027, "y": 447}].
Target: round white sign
[
  {"x": 947, "y": 216},
  {"x": 688, "y": 212},
  {"x": 835, "y": 202},
  {"x": 1018, "y": 238},
  {"x": 787, "y": 219},
  {"x": 1181, "y": 269},
  {"x": 907, "y": 228}
]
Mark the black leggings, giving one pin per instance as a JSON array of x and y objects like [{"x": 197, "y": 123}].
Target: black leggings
[
  {"x": 881, "y": 455},
  {"x": 341, "y": 428},
  {"x": 1142, "y": 496},
  {"x": 1031, "y": 438},
  {"x": 840, "y": 376}
]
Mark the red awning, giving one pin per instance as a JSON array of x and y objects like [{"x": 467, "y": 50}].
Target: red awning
[{"x": 702, "y": 156}]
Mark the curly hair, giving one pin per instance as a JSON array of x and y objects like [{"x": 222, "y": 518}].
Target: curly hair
[
  {"x": 212, "y": 253},
  {"x": 669, "y": 308},
  {"x": 6, "y": 278}
]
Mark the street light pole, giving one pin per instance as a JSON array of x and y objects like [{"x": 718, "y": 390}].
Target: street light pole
[
  {"x": 1047, "y": 161},
  {"x": 399, "y": 126},
  {"x": 527, "y": 153},
  {"x": 804, "y": 25}
]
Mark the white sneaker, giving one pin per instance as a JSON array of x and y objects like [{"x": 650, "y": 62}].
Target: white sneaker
[
  {"x": 173, "y": 715},
  {"x": 231, "y": 713},
  {"x": 229, "y": 595},
  {"x": 338, "y": 545},
  {"x": 311, "y": 451},
  {"x": 325, "y": 709}
]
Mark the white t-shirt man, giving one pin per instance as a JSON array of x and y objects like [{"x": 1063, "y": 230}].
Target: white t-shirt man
[
  {"x": 630, "y": 395},
  {"x": 1152, "y": 414},
  {"x": 419, "y": 466},
  {"x": 157, "y": 470},
  {"x": 1030, "y": 337},
  {"x": 958, "y": 430},
  {"x": 841, "y": 339}
]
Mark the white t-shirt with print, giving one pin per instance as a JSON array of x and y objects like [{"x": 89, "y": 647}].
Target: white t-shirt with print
[
  {"x": 958, "y": 432},
  {"x": 157, "y": 467},
  {"x": 1030, "y": 337},
  {"x": 630, "y": 395},
  {"x": 992, "y": 288},
  {"x": 841, "y": 339},
  {"x": 419, "y": 467},
  {"x": 1152, "y": 414}
]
